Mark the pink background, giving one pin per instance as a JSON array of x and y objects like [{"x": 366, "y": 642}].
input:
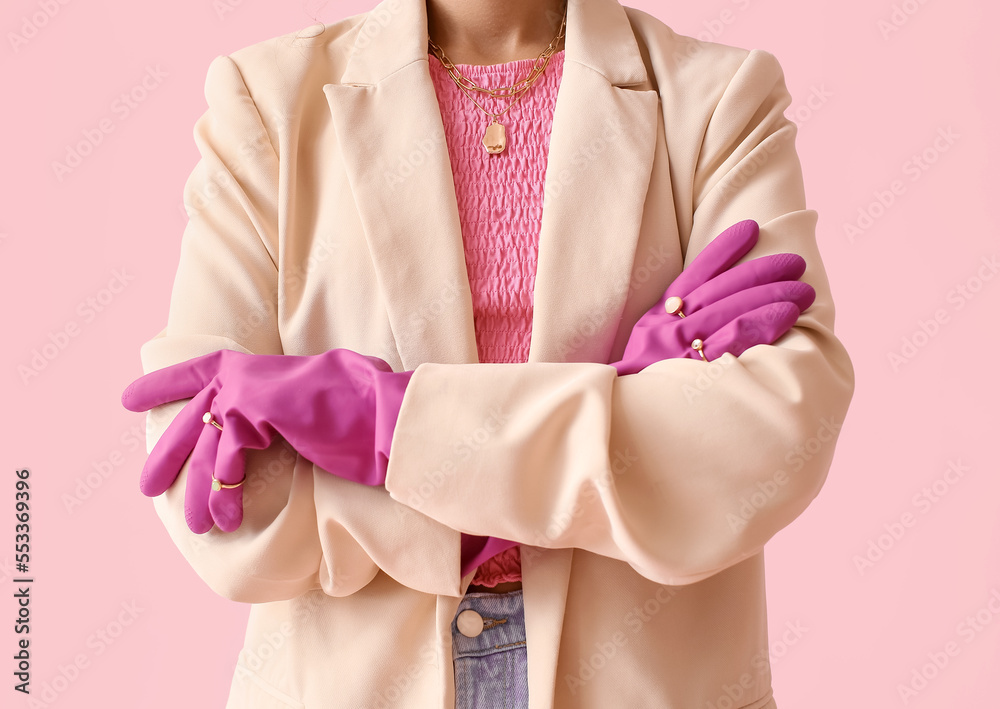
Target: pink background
[{"x": 866, "y": 104}]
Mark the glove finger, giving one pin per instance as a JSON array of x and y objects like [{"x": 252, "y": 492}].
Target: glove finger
[
  {"x": 721, "y": 252},
  {"x": 175, "y": 445},
  {"x": 227, "y": 508},
  {"x": 665, "y": 336},
  {"x": 230, "y": 468},
  {"x": 756, "y": 272},
  {"x": 178, "y": 381},
  {"x": 199, "y": 479},
  {"x": 762, "y": 326},
  {"x": 713, "y": 317}
]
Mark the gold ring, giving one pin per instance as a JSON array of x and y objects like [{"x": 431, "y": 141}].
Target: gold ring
[
  {"x": 218, "y": 484},
  {"x": 674, "y": 305},
  {"x": 207, "y": 418},
  {"x": 698, "y": 344}
]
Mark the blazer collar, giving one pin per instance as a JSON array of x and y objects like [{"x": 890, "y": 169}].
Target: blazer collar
[{"x": 391, "y": 140}]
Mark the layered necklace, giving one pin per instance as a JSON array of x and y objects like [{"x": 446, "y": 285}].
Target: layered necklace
[{"x": 495, "y": 136}]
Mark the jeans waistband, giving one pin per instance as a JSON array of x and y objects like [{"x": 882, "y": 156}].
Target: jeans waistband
[{"x": 503, "y": 623}]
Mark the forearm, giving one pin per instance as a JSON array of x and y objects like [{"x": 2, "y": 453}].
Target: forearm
[{"x": 651, "y": 468}]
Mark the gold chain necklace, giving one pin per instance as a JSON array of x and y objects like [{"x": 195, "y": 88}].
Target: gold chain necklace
[{"x": 495, "y": 137}]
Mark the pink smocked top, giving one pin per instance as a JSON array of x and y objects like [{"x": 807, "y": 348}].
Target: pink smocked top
[{"x": 500, "y": 209}]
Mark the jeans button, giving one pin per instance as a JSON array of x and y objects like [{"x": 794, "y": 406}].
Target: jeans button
[{"x": 470, "y": 624}]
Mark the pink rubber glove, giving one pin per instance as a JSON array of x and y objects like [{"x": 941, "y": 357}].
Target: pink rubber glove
[
  {"x": 325, "y": 406},
  {"x": 345, "y": 426},
  {"x": 729, "y": 308}
]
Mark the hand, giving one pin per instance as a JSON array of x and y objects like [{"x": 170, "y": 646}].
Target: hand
[
  {"x": 729, "y": 308},
  {"x": 323, "y": 405},
  {"x": 338, "y": 409}
]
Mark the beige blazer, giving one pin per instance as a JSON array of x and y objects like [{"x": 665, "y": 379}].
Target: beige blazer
[{"x": 323, "y": 215}]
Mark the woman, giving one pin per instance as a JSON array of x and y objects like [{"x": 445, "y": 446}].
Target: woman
[{"x": 449, "y": 352}]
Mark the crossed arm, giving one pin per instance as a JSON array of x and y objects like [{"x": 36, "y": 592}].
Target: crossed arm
[{"x": 678, "y": 479}]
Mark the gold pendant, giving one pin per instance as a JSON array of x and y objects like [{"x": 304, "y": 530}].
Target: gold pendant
[{"x": 495, "y": 138}]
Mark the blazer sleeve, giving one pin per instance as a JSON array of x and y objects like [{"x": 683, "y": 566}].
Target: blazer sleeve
[
  {"x": 294, "y": 536},
  {"x": 680, "y": 470}
]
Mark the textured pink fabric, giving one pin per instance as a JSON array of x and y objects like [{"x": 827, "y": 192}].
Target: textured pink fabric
[{"x": 500, "y": 208}]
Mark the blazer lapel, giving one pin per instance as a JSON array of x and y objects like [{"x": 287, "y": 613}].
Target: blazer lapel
[
  {"x": 391, "y": 138},
  {"x": 599, "y": 166}
]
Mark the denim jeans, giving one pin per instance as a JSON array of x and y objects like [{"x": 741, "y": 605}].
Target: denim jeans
[{"x": 489, "y": 651}]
